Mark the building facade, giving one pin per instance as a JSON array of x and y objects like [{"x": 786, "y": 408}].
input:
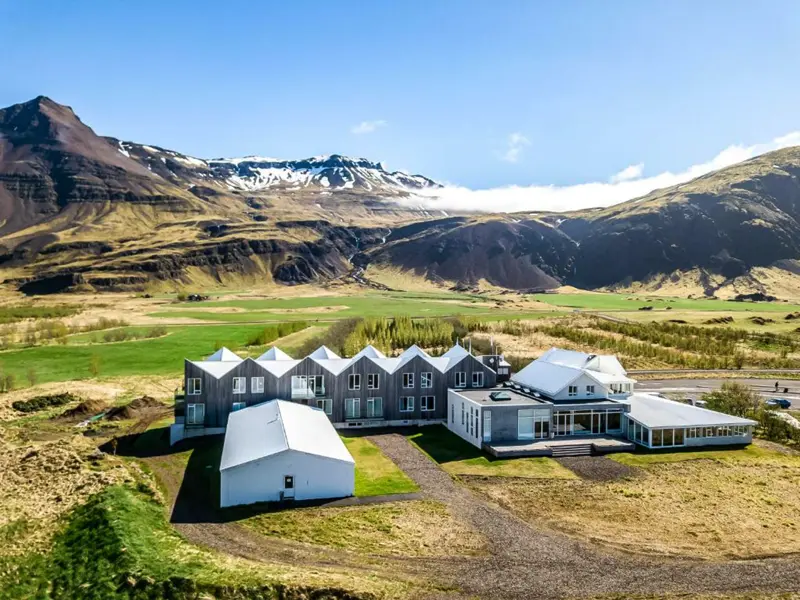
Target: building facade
[{"x": 367, "y": 390}]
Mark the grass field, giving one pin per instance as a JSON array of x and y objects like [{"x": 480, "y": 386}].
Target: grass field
[
  {"x": 458, "y": 457},
  {"x": 376, "y": 475},
  {"x": 416, "y": 528},
  {"x": 157, "y": 356},
  {"x": 715, "y": 504},
  {"x": 624, "y": 302}
]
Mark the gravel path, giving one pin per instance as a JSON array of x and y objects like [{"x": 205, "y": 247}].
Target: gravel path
[{"x": 525, "y": 562}]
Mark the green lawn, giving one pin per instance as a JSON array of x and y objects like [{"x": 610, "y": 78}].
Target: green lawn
[
  {"x": 458, "y": 457},
  {"x": 375, "y": 473},
  {"x": 341, "y": 307},
  {"x": 749, "y": 453},
  {"x": 614, "y": 302},
  {"x": 156, "y": 356}
]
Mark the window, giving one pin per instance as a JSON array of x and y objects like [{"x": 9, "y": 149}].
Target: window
[
  {"x": 195, "y": 414},
  {"x": 525, "y": 424},
  {"x": 374, "y": 408},
  {"x": 590, "y": 390},
  {"x": 709, "y": 432},
  {"x": 326, "y": 404},
  {"x": 427, "y": 403},
  {"x": 307, "y": 386},
  {"x": 426, "y": 379},
  {"x": 452, "y": 414},
  {"x": 257, "y": 385},
  {"x": 572, "y": 391},
  {"x": 657, "y": 438},
  {"x": 462, "y": 413},
  {"x": 194, "y": 386},
  {"x": 352, "y": 408},
  {"x": 461, "y": 379},
  {"x": 614, "y": 421},
  {"x": 354, "y": 381},
  {"x": 238, "y": 406},
  {"x": 408, "y": 380},
  {"x": 288, "y": 482},
  {"x": 239, "y": 385},
  {"x": 373, "y": 381},
  {"x": 487, "y": 426},
  {"x": 406, "y": 403},
  {"x": 691, "y": 432},
  {"x": 477, "y": 379}
]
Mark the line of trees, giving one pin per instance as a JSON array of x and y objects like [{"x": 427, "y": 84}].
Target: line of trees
[{"x": 399, "y": 333}]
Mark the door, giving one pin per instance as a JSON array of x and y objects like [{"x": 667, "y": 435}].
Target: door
[
  {"x": 487, "y": 426},
  {"x": 598, "y": 422},
  {"x": 288, "y": 486}
]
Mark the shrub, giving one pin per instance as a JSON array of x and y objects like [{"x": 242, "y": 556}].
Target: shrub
[{"x": 42, "y": 402}]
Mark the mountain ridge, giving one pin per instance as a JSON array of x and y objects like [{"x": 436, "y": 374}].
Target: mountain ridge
[{"x": 82, "y": 210}]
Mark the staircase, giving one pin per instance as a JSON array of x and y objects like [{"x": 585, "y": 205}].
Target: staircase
[{"x": 561, "y": 451}]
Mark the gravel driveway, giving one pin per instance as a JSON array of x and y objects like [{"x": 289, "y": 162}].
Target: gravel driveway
[{"x": 526, "y": 562}]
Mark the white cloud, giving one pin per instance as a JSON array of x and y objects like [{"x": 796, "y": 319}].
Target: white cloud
[
  {"x": 515, "y": 145},
  {"x": 625, "y": 185},
  {"x": 628, "y": 173},
  {"x": 367, "y": 127}
]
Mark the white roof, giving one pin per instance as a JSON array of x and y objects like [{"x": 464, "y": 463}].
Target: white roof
[
  {"x": 456, "y": 351},
  {"x": 277, "y": 367},
  {"x": 370, "y": 351},
  {"x": 274, "y": 353},
  {"x": 216, "y": 368},
  {"x": 334, "y": 365},
  {"x": 223, "y": 354},
  {"x": 654, "y": 411},
  {"x": 323, "y": 352},
  {"x": 604, "y": 363},
  {"x": 277, "y": 426},
  {"x": 547, "y": 377}
]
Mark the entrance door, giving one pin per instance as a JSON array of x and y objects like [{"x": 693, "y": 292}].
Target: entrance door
[
  {"x": 563, "y": 423},
  {"x": 288, "y": 486}
]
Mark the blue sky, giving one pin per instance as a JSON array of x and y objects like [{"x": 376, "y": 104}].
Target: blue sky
[{"x": 479, "y": 94}]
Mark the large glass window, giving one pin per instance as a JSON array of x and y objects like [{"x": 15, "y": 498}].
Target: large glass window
[
  {"x": 658, "y": 439},
  {"x": 374, "y": 408},
  {"x": 667, "y": 438},
  {"x": 541, "y": 424},
  {"x": 614, "y": 421},
  {"x": 407, "y": 405},
  {"x": 487, "y": 426},
  {"x": 195, "y": 414},
  {"x": 525, "y": 424},
  {"x": 427, "y": 403},
  {"x": 308, "y": 386},
  {"x": 326, "y": 404},
  {"x": 581, "y": 422},
  {"x": 352, "y": 408},
  {"x": 678, "y": 441}
]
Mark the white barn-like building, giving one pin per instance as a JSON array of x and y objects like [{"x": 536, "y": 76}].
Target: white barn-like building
[{"x": 282, "y": 450}]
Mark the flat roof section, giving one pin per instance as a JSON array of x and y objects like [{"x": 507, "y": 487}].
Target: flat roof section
[{"x": 505, "y": 397}]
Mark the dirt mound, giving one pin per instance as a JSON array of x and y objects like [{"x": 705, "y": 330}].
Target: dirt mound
[
  {"x": 718, "y": 320},
  {"x": 84, "y": 410},
  {"x": 38, "y": 403},
  {"x": 792, "y": 316},
  {"x": 760, "y": 320},
  {"x": 135, "y": 409}
]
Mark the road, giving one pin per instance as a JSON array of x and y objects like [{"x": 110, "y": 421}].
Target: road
[{"x": 694, "y": 388}]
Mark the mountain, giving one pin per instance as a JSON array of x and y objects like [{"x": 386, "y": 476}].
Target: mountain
[{"x": 82, "y": 211}]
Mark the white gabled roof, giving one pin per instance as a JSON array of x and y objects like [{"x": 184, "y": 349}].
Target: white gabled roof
[
  {"x": 323, "y": 352},
  {"x": 605, "y": 363},
  {"x": 277, "y": 367},
  {"x": 387, "y": 364},
  {"x": 216, "y": 368},
  {"x": 224, "y": 355},
  {"x": 456, "y": 352},
  {"x": 277, "y": 426},
  {"x": 654, "y": 411},
  {"x": 274, "y": 353},
  {"x": 369, "y": 351},
  {"x": 334, "y": 365},
  {"x": 547, "y": 377}
]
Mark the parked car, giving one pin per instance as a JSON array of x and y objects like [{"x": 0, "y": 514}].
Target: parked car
[
  {"x": 700, "y": 403},
  {"x": 779, "y": 402}
]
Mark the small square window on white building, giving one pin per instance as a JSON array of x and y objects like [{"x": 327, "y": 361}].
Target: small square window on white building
[{"x": 572, "y": 390}]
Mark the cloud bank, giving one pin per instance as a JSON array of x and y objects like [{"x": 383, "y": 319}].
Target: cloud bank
[
  {"x": 367, "y": 127},
  {"x": 629, "y": 183}
]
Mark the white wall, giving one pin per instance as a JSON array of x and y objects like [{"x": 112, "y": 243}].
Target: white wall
[
  {"x": 455, "y": 401},
  {"x": 315, "y": 477},
  {"x": 582, "y": 382}
]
